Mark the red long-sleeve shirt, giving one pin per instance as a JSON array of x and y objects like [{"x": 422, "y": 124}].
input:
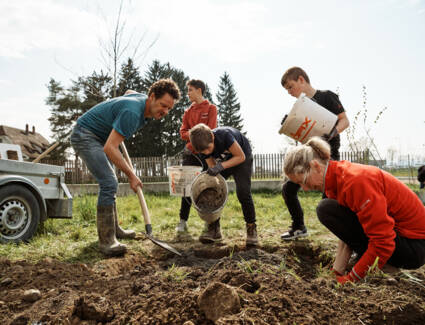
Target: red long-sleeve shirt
[
  {"x": 198, "y": 113},
  {"x": 384, "y": 205}
]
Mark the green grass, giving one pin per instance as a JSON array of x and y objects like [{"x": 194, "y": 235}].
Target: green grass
[
  {"x": 176, "y": 274},
  {"x": 75, "y": 240},
  {"x": 406, "y": 172}
]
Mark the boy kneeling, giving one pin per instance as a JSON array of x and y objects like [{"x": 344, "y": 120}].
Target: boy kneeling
[{"x": 234, "y": 157}]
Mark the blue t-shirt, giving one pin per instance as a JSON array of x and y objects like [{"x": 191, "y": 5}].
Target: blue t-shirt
[
  {"x": 124, "y": 114},
  {"x": 224, "y": 137}
]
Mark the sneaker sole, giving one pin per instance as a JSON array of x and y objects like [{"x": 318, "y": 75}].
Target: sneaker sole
[{"x": 294, "y": 237}]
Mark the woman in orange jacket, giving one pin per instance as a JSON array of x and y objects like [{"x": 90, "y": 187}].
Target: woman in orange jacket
[{"x": 368, "y": 209}]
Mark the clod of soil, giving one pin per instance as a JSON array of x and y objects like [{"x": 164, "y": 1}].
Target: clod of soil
[
  {"x": 94, "y": 307},
  {"x": 218, "y": 300},
  {"x": 209, "y": 200},
  {"x": 5, "y": 282},
  {"x": 20, "y": 320},
  {"x": 188, "y": 323},
  {"x": 31, "y": 295}
]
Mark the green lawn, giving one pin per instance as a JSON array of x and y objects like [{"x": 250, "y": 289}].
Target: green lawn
[{"x": 75, "y": 240}]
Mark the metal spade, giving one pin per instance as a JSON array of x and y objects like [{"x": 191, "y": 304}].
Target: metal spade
[{"x": 145, "y": 211}]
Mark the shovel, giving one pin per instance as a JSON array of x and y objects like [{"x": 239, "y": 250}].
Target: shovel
[
  {"x": 145, "y": 211},
  {"x": 50, "y": 149}
]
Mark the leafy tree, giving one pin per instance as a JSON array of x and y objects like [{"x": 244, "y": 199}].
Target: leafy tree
[
  {"x": 227, "y": 104},
  {"x": 69, "y": 104},
  {"x": 65, "y": 106}
]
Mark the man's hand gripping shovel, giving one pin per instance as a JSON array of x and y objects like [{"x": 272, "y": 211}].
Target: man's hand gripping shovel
[{"x": 145, "y": 211}]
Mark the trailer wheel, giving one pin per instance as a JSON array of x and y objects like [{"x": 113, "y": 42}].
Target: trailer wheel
[{"x": 19, "y": 213}]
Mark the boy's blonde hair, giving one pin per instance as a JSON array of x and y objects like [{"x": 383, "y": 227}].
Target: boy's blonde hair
[
  {"x": 200, "y": 137},
  {"x": 297, "y": 159}
]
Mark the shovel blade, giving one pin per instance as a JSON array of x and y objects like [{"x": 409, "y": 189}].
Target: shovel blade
[{"x": 162, "y": 244}]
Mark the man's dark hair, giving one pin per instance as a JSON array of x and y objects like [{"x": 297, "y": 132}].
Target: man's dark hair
[
  {"x": 293, "y": 74},
  {"x": 165, "y": 86},
  {"x": 200, "y": 137},
  {"x": 197, "y": 84}
]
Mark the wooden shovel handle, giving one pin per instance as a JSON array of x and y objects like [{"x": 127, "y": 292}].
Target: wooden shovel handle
[
  {"x": 140, "y": 195},
  {"x": 46, "y": 152}
]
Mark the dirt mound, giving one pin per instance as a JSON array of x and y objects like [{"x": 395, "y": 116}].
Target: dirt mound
[
  {"x": 210, "y": 200},
  {"x": 278, "y": 284}
]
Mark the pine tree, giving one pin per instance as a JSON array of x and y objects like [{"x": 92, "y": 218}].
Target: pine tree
[
  {"x": 172, "y": 142},
  {"x": 96, "y": 89},
  {"x": 129, "y": 78},
  {"x": 228, "y": 107},
  {"x": 161, "y": 137},
  {"x": 208, "y": 95}
]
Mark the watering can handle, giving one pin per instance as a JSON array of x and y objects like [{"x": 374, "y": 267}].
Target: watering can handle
[{"x": 146, "y": 215}]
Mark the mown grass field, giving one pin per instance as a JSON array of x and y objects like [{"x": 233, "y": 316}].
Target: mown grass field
[{"x": 75, "y": 240}]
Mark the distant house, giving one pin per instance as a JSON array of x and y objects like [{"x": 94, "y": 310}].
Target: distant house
[{"x": 32, "y": 143}]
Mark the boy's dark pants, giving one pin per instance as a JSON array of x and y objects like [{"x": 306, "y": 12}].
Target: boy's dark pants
[
  {"x": 343, "y": 223},
  {"x": 190, "y": 159},
  {"x": 242, "y": 175}
]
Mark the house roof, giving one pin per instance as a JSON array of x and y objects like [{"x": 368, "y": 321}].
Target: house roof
[{"x": 32, "y": 143}]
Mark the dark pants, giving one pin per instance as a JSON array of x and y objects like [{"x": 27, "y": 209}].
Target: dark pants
[
  {"x": 343, "y": 223},
  {"x": 290, "y": 195},
  {"x": 190, "y": 159},
  {"x": 242, "y": 175}
]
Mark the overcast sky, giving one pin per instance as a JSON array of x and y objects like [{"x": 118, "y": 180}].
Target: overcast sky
[{"x": 342, "y": 45}]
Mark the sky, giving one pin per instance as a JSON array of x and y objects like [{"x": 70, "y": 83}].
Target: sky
[{"x": 342, "y": 45}]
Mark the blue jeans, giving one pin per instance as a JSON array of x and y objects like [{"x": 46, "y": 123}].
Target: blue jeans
[{"x": 90, "y": 148}]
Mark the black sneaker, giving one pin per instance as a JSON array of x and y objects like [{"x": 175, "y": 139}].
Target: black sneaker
[{"x": 294, "y": 233}]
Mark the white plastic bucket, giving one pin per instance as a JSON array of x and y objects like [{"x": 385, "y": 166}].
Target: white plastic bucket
[
  {"x": 307, "y": 119},
  {"x": 180, "y": 179}
]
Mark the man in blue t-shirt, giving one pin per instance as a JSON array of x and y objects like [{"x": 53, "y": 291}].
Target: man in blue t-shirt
[
  {"x": 227, "y": 152},
  {"x": 96, "y": 139}
]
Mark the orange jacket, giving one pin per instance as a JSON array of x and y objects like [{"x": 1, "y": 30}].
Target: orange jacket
[
  {"x": 198, "y": 113},
  {"x": 384, "y": 206}
]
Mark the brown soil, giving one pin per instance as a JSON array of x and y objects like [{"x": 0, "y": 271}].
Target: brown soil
[
  {"x": 275, "y": 284},
  {"x": 209, "y": 200}
]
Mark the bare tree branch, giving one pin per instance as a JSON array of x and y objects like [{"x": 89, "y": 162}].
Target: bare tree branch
[{"x": 114, "y": 49}]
